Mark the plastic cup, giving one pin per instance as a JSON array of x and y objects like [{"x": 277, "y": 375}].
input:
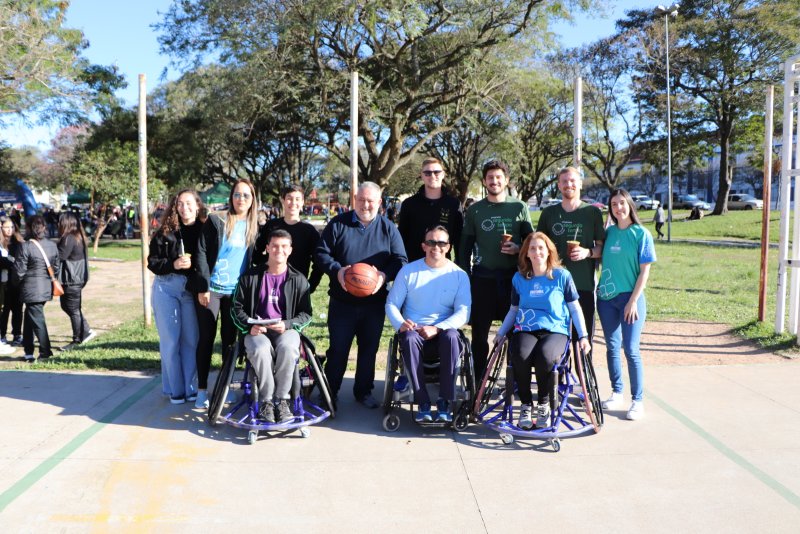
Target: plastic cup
[{"x": 572, "y": 245}]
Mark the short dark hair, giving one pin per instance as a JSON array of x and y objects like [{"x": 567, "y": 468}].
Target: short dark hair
[
  {"x": 279, "y": 234},
  {"x": 438, "y": 228},
  {"x": 37, "y": 229},
  {"x": 294, "y": 188},
  {"x": 495, "y": 164}
]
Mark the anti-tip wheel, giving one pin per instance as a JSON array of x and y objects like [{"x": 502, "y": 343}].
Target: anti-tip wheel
[
  {"x": 391, "y": 423},
  {"x": 556, "y": 444},
  {"x": 507, "y": 439},
  {"x": 460, "y": 423},
  {"x": 305, "y": 431},
  {"x": 252, "y": 437}
]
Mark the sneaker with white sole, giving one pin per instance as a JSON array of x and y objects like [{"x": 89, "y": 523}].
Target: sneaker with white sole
[
  {"x": 90, "y": 336},
  {"x": 30, "y": 358},
  {"x": 202, "y": 399},
  {"x": 614, "y": 402},
  {"x": 543, "y": 415},
  {"x": 177, "y": 400},
  {"x": 7, "y": 349},
  {"x": 525, "y": 422},
  {"x": 636, "y": 411}
]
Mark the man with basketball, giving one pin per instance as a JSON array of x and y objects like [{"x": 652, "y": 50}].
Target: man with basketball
[
  {"x": 429, "y": 301},
  {"x": 280, "y": 296},
  {"x": 358, "y": 236},
  {"x": 494, "y": 228}
]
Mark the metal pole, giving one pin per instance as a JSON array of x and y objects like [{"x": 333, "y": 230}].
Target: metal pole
[
  {"x": 353, "y": 137},
  {"x": 143, "y": 211},
  {"x": 762, "y": 279},
  {"x": 669, "y": 140},
  {"x": 577, "y": 128},
  {"x": 786, "y": 187}
]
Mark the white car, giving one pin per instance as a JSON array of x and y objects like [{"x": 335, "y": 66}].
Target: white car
[
  {"x": 643, "y": 202},
  {"x": 744, "y": 202}
]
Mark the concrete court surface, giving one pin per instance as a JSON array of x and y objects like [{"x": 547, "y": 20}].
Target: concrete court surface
[{"x": 718, "y": 451}]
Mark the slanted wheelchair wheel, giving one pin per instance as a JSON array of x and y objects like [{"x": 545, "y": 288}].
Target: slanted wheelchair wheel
[
  {"x": 588, "y": 381},
  {"x": 221, "y": 387},
  {"x": 252, "y": 437},
  {"x": 489, "y": 379},
  {"x": 322, "y": 382},
  {"x": 461, "y": 420},
  {"x": 388, "y": 382}
]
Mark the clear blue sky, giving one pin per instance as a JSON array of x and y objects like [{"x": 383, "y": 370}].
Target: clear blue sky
[{"x": 120, "y": 33}]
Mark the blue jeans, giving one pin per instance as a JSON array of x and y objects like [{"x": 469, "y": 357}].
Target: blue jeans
[
  {"x": 176, "y": 322},
  {"x": 618, "y": 332},
  {"x": 364, "y": 322}
]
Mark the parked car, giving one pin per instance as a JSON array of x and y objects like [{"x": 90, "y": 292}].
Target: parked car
[
  {"x": 643, "y": 202},
  {"x": 549, "y": 202},
  {"x": 744, "y": 202},
  {"x": 596, "y": 203},
  {"x": 688, "y": 202}
]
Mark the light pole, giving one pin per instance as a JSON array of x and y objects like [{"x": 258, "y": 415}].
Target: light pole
[{"x": 667, "y": 12}]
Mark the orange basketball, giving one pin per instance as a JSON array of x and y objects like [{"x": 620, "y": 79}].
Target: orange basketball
[{"x": 361, "y": 279}]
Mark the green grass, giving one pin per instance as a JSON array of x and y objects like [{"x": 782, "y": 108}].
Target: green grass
[{"x": 125, "y": 250}]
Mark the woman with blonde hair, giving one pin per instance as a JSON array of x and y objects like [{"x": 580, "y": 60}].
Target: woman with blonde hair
[
  {"x": 543, "y": 298},
  {"x": 224, "y": 252}
]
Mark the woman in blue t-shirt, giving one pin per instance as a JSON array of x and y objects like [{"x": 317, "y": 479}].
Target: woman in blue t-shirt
[
  {"x": 627, "y": 254},
  {"x": 224, "y": 252},
  {"x": 543, "y": 298}
]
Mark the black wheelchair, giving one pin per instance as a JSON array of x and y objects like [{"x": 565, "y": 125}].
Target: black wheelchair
[
  {"x": 575, "y": 407},
  {"x": 397, "y": 388},
  {"x": 242, "y": 411}
]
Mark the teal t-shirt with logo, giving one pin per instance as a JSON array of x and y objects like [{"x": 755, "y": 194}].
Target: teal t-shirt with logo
[
  {"x": 623, "y": 254},
  {"x": 484, "y": 224}
]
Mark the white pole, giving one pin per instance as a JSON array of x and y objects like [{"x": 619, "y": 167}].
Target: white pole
[
  {"x": 669, "y": 140},
  {"x": 143, "y": 211},
  {"x": 786, "y": 187},
  {"x": 353, "y": 137},
  {"x": 577, "y": 128}
]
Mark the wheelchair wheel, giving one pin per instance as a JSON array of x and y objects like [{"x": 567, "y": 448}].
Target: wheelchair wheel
[
  {"x": 588, "y": 382},
  {"x": 388, "y": 382},
  {"x": 221, "y": 387},
  {"x": 490, "y": 377},
  {"x": 322, "y": 382},
  {"x": 391, "y": 422}
]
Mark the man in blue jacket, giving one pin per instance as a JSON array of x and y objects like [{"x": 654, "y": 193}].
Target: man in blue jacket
[{"x": 358, "y": 236}]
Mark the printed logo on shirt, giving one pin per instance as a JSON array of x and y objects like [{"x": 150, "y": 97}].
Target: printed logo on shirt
[
  {"x": 616, "y": 247},
  {"x": 525, "y": 320},
  {"x": 537, "y": 290},
  {"x": 572, "y": 230},
  {"x": 488, "y": 224},
  {"x": 273, "y": 296},
  {"x": 607, "y": 288},
  {"x": 444, "y": 217}
]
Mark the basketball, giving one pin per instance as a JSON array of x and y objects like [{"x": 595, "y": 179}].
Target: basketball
[{"x": 361, "y": 279}]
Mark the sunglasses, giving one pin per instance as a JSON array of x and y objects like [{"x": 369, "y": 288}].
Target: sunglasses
[
  {"x": 432, "y": 173},
  {"x": 434, "y": 243},
  {"x": 245, "y": 196}
]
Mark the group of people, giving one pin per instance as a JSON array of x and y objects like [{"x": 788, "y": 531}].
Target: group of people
[
  {"x": 27, "y": 269},
  {"x": 448, "y": 268}
]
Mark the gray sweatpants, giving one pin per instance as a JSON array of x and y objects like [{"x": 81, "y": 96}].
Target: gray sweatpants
[{"x": 273, "y": 366}]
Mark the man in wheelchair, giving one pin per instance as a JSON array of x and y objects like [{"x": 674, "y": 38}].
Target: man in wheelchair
[
  {"x": 271, "y": 304},
  {"x": 429, "y": 301}
]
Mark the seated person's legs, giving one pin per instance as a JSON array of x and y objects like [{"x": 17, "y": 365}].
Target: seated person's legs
[
  {"x": 520, "y": 348},
  {"x": 287, "y": 352},
  {"x": 449, "y": 351},
  {"x": 259, "y": 353},
  {"x": 411, "y": 349},
  {"x": 546, "y": 354}
]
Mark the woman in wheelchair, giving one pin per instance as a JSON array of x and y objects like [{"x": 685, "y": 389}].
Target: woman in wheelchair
[
  {"x": 543, "y": 298},
  {"x": 272, "y": 303}
]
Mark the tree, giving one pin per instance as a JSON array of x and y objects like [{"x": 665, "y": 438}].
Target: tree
[
  {"x": 415, "y": 59},
  {"x": 722, "y": 55}
]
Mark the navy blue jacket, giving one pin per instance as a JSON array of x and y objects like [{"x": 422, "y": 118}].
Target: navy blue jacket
[{"x": 346, "y": 242}]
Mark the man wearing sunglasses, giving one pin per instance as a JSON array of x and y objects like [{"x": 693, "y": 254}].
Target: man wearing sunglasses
[
  {"x": 432, "y": 205},
  {"x": 429, "y": 301},
  {"x": 494, "y": 229}
]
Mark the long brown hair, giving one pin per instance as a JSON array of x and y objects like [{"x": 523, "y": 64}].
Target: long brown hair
[
  {"x": 14, "y": 237},
  {"x": 627, "y": 196},
  {"x": 171, "y": 219},
  {"x": 250, "y": 218},
  {"x": 524, "y": 262},
  {"x": 70, "y": 224}
]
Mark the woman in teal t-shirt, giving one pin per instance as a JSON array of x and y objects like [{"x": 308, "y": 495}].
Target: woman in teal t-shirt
[{"x": 627, "y": 254}]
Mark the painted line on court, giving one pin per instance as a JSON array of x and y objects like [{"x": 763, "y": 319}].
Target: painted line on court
[
  {"x": 732, "y": 455},
  {"x": 36, "y": 474}
]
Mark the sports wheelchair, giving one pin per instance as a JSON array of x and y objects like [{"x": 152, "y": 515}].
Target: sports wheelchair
[
  {"x": 397, "y": 385},
  {"x": 243, "y": 411},
  {"x": 575, "y": 407}
]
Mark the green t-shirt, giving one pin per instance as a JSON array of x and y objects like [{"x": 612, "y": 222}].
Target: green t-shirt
[
  {"x": 484, "y": 224},
  {"x": 561, "y": 226},
  {"x": 624, "y": 252}
]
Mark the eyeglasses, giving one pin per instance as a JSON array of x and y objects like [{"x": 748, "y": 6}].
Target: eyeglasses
[
  {"x": 432, "y": 173},
  {"x": 238, "y": 196},
  {"x": 434, "y": 243}
]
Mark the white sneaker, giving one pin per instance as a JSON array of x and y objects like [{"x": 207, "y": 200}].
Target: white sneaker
[
  {"x": 202, "y": 399},
  {"x": 543, "y": 415},
  {"x": 525, "y": 422},
  {"x": 637, "y": 410},
  {"x": 6, "y": 349},
  {"x": 92, "y": 334},
  {"x": 614, "y": 402}
]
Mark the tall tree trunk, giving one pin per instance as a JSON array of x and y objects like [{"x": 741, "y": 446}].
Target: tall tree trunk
[{"x": 721, "y": 206}]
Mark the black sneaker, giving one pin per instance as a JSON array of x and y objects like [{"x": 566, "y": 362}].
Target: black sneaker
[
  {"x": 284, "y": 413},
  {"x": 266, "y": 412},
  {"x": 17, "y": 341},
  {"x": 68, "y": 346}
]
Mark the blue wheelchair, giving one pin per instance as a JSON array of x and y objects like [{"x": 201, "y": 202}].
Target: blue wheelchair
[
  {"x": 242, "y": 410},
  {"x": 575, "y": 407}
]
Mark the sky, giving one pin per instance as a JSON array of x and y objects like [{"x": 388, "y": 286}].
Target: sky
[{"x": 120, "y": 33}]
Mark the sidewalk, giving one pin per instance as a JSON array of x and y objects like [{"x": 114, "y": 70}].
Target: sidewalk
[{"x": 719, "y": 450}]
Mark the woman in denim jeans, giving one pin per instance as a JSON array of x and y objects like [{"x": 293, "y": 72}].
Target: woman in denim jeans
[{"x": 627, "y": 254}]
